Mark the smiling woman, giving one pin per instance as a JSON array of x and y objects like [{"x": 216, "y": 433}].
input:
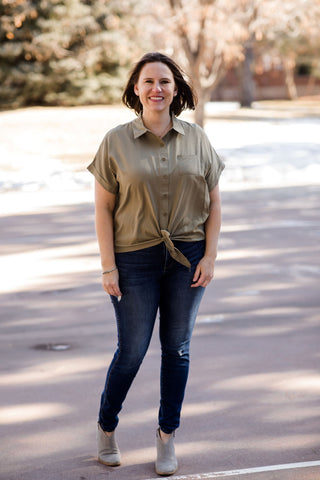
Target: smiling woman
[
  {"x": 185, "y": 97},
  {"x": 157, "y": 222},
  {"x": 156, "y": 90}
]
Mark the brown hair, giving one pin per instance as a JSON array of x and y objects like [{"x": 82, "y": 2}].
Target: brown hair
[{"x": 185, "y": 98}]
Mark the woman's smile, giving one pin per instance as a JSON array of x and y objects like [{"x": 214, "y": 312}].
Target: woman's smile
[{"x": 155, "y": 87}]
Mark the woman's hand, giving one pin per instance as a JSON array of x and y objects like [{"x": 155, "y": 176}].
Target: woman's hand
[
  {"x": 204, "y": 272},
  {"x": 205, "y": 268},
  {"x": 110, "y": 283}
]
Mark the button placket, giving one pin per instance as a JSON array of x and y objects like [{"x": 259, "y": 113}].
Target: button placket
[{"x": 164, "y": 189}]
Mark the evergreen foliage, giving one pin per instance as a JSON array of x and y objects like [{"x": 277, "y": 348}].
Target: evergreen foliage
[{"x": 55, "y": 52}]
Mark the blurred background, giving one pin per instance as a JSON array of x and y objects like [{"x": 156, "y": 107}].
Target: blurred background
[{"x": 78, "y": 52}]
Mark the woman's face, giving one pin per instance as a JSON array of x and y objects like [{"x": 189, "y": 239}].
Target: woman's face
[{"x": 155, "y": 87}]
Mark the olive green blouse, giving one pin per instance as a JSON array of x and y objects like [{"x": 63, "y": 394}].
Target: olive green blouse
[{"x": 161, "y": 185}]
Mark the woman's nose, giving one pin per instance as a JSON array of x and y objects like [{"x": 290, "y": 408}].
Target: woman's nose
[{"x": 156, "y": 87}]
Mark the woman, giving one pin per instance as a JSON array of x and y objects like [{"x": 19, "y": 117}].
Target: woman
[{"x": 157, "y": 221}]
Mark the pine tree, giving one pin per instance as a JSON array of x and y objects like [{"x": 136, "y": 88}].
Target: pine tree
[{"x": 55, "y": 52}]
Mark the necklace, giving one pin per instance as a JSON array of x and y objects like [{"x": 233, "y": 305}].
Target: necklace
[
  {"x": 162, "y": 134},
  {"x": 165, "y": 130}
]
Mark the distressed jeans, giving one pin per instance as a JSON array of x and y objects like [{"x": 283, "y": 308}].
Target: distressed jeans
[{"x": 151, "y": 280}]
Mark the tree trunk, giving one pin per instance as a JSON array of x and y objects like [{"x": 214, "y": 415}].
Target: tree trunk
[
  {"x": 289, "y": 63},
  {"x": 246, "y": 76},
  {"x": 203, "y": 98}
]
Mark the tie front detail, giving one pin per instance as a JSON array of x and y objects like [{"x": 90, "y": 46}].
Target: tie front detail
[{"x": 174, "y": 252}]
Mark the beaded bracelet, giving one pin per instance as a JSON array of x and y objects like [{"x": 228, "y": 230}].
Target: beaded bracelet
[{"x": 109, "y": 271}]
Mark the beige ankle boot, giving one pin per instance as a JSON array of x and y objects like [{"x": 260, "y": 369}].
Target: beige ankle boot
[
  {"x": 166, "y": 463},
  {"x": 108, "y": 450}
]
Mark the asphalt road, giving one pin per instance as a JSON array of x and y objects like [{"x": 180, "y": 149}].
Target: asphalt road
[{"x": 253, "y": 393}]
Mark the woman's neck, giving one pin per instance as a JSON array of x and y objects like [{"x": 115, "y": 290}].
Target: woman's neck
[{"x": 158, "y": 124}]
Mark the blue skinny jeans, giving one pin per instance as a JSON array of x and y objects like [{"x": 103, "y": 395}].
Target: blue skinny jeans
[{"x": 151, "y": 280}]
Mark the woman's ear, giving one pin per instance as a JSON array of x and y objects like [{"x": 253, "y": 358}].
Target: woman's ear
[{"x": 136, "y": 90}]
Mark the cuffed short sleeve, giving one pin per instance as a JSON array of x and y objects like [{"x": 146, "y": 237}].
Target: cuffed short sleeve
[
  {"x": 101, "y": 168},
  {"x": 214, "y": 166}
]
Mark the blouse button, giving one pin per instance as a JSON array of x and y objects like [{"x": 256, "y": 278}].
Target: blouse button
[{"x": 163, "y": 159}]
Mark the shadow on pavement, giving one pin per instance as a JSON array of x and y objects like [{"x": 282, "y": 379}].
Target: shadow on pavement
[{"x": 253, "y": 393}]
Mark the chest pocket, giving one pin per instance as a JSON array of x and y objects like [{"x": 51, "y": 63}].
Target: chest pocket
[{"x": 188, "y": 165}]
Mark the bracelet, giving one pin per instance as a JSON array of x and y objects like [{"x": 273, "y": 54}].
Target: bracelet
[{"x": 109, "y": 271}]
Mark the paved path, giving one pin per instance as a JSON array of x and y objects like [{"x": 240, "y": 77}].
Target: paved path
[{"x": 253, "y": 394}]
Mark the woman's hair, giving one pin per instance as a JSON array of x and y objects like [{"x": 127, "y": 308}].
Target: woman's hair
[{"x": 185, "y": 98}]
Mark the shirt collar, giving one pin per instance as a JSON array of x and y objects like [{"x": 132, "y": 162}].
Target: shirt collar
[
  {"x": 139, "y": 129},
  {"x": 177, "y": 125}
]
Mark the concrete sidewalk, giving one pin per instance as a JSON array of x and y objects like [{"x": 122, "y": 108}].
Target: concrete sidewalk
[{"x": 253, "y": 392}]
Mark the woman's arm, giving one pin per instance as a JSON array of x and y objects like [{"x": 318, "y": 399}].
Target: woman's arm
[
  {"x": 104, "y": 205},
  {"x": 205, "y": 269}
]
